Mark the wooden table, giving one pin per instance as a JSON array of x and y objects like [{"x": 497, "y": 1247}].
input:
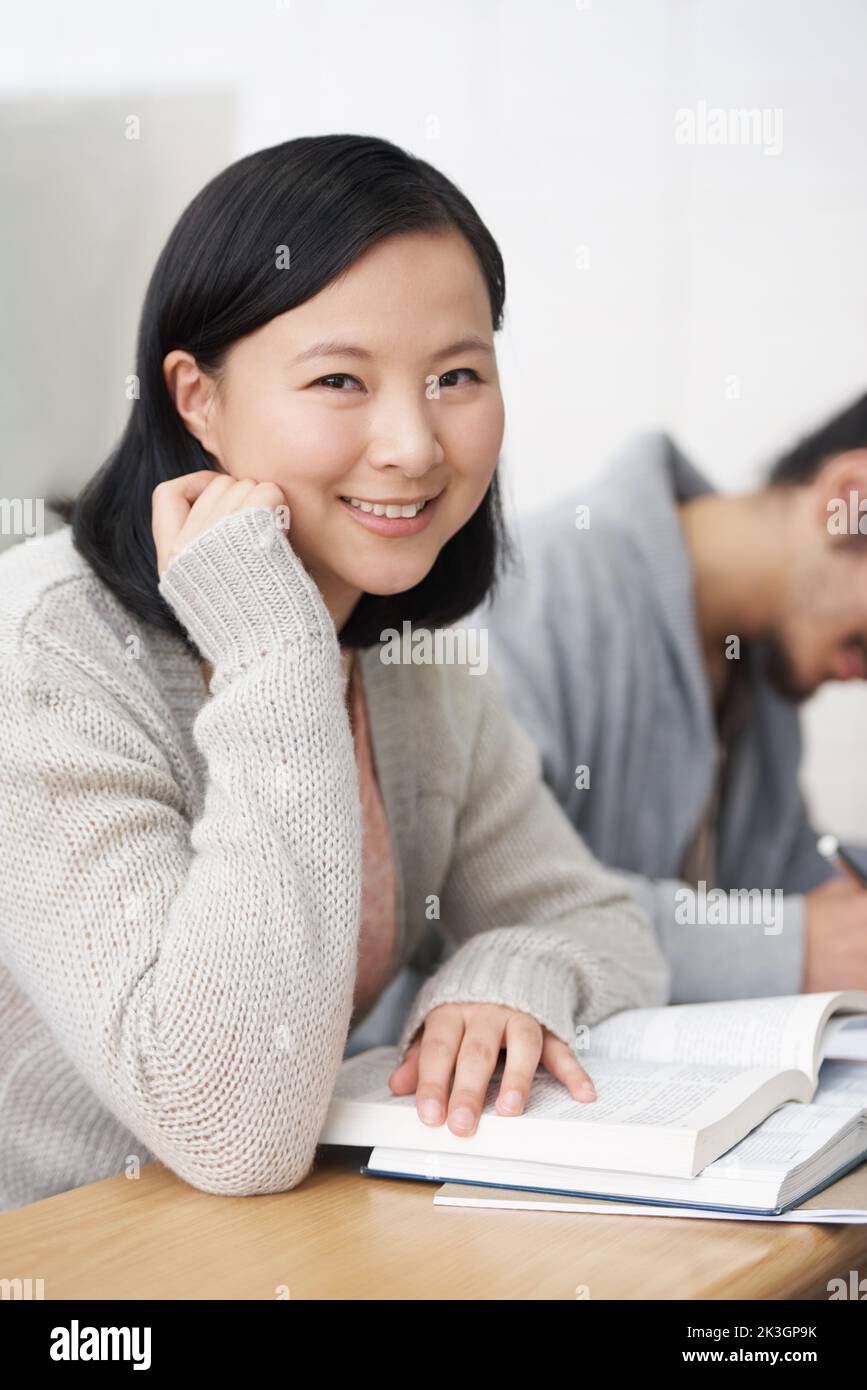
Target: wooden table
[{"x": 343, "y": 1236}]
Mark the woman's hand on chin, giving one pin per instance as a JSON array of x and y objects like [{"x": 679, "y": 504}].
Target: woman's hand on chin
[
  {"x": 184, "y": 508},
  {"x": 466, "y": 1039}
]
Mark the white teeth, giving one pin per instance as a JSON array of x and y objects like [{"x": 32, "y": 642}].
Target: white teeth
[{"x": 387, "y": 509}]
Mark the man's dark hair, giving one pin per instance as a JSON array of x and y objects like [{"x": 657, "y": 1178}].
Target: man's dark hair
[
  {"x": 844, "y": 432},
  {"x": 329, "y": 198}
]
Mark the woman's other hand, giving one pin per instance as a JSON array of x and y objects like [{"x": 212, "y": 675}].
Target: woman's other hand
[
  {"x": 466, "y": 1039},
  {"x": 184, "y": 508}
]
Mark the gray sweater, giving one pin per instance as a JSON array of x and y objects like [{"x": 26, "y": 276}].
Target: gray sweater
[
  {"x": 598, "y": 642},
  {"x": 180, "y": 897}
]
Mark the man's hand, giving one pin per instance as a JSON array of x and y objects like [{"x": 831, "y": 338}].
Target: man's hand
[
  {"x": 836, "y": 946},
  {"x": 466, "y": 1039}
]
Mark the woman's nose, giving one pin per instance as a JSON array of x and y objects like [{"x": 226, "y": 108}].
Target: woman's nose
[
  {"x": 406, "y": 440},
  {"x": 413, "y": 454}
]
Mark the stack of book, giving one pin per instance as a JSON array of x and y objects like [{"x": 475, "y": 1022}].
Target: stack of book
[{"x": 750, "y": 1108}]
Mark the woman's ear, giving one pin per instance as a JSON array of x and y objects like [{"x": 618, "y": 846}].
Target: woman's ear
[
  {"x": 840, "y": 493},
  {"x": 194, "y": 395}
]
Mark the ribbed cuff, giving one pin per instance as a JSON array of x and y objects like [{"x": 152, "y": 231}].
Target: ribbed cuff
[
  {"x": 533, "y": 970},
  {"x": 241, "y": 591}
]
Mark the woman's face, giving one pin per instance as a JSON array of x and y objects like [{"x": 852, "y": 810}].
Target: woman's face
[{"x": 382, "y": 391}]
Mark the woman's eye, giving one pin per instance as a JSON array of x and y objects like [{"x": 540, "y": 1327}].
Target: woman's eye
[
  {"x": 456, "y": 371},
  {"x": 342, "y": 382},
  {"x": 335, "y": 381}
]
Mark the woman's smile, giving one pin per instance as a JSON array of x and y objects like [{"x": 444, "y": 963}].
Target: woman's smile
[{"x": 392, "y": 516}]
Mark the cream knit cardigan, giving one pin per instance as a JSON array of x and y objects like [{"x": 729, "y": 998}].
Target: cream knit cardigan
[{"x": 181, "y": 874}]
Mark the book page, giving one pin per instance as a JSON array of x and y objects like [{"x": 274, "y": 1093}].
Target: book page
[
  {"x": 365, "y": 1076},
  {"x": 632, "y": 1091},
  {"x": 796, "y": 1133},
  {"x": 846, "y": 1038},
  {"x": 778, "y": 1033}
]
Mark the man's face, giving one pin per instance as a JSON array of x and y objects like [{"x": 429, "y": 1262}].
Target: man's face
[{"x": 820, "y": 630}]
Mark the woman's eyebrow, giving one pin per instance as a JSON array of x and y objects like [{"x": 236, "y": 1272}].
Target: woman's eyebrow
[
  {"x": 330, "y": 348},
  {"x": 472, "y": 343}
]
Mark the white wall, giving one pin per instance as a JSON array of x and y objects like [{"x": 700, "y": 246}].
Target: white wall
[{"x": 718, "y": 291}]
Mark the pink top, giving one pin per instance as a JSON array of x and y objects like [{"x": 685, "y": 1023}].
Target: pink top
[{"x": 378, "y": 887}]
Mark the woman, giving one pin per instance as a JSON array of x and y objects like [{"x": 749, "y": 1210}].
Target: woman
[{"x": 227, "y": 822}]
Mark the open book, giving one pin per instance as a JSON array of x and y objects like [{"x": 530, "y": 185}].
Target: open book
[{"x": 676, "y": 1087}]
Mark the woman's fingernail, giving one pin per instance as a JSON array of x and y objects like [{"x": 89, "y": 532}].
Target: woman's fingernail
[
  {"x": 587, "y": 1091},
  {"x": 463, "y": 1118},
  {"x": 512, "y": 1100},
  {"x": 431, "y": 1111}
]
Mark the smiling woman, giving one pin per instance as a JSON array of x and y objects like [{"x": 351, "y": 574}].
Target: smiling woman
[
  {"x": 204, "y": 890},
  {"x": 377, "y": 434},
  {"x": 394, "y": 289}
]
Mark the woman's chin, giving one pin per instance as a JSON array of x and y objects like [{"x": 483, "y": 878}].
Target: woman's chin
[
  {"x": 395, "y": 582},
  {"x": 396, "y": 586}
]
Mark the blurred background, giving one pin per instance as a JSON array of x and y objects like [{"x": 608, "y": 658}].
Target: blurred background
[{"x": 655, "y": 279}]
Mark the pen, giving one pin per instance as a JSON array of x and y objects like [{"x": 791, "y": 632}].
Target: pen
[{"x": 830, "y": 848}]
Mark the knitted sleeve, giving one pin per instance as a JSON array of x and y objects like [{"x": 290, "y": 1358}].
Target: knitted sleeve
[
  {"x": 198, "y": 972},
  {"x": 539, "y": 925}
]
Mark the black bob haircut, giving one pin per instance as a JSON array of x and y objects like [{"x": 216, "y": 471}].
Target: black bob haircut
[
  {"x": 845, "y": 432},
  {"x": 328, "y": 198}
]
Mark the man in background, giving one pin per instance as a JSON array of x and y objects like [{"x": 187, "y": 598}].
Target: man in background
[{"x": 656, "y": 646}]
